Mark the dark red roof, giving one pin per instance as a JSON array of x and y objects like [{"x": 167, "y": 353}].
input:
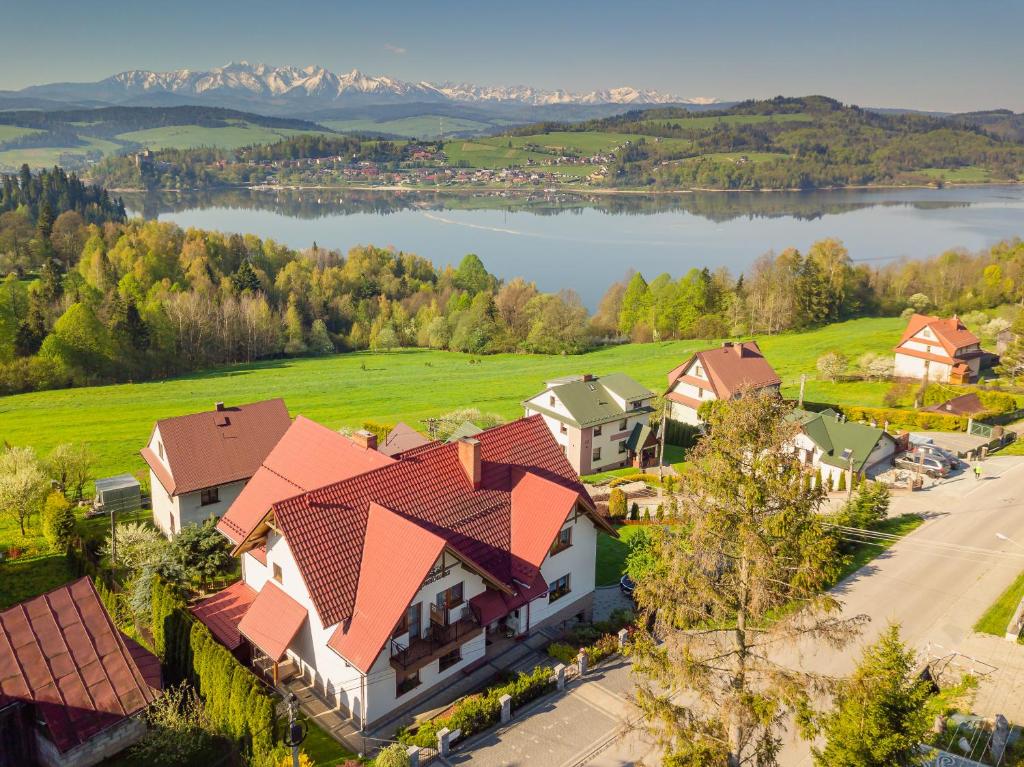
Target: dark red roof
[
  {"x": 965, "y": 404},
  {"x": 222, "y": 612},
  {"x": 731, "y": 368},
  {"x": 325, "y": 528},
  {"x": 62, "y": 653},
  {"x": 218, "y": 446}
]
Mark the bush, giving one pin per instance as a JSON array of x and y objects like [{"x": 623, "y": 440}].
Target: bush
[
  {"x": 601, "y": 649},
  {"x": 634, "y": 511},
  {"x": 58, "y": 521},
  {"x": 841, "y": 485},
  {"x": 563, "y": 652},
  {"x": 394, "y": 755},
  {"x": 617, "y": 504},
  {"x": 868, "y": 507}
]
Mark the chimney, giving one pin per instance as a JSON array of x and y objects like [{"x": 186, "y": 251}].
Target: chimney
[
  {"x": 469, "y": 457},
  {"x": 365, "y": 439},
  {"x": 219, "y": 406},
  {"x": 588, "y": 376}
]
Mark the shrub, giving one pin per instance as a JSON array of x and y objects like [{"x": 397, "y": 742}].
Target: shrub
[
  {"x": 379, "y": 430},
  {"x": 601, "y": 649},
  {"x": 562, "y": 652},
  {"x": 58, "y": 521},
  {"x": 647, "y": 514},
  {"x": 841, "y": 484},
  {"x": 634, "y": 511},
  {"x": 832, "y": 365},
  {"x": 617, "y": 504}
]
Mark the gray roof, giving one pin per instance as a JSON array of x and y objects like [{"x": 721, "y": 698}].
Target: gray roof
[
  {"x": 116, "y": 483},
  {"x": 463, "y": 430},
  {"x": 590, "y": 402}
]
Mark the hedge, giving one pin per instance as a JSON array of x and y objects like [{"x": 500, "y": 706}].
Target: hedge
[
  {"x": 911, "y": 419},
  {"x": 478, "y": 712}
]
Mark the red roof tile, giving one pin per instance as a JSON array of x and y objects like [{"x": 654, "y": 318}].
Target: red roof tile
[
  {"x": 539, "y": 509},
  {"x": 492, "y": 605},
  {"x": 731, "y": 368},
  {"x": 216, "y": 447},
  {"x": 397, "y": 554},
  {"x": 272, "y": 620},
  {"x": 950, "y": 332},
  {"x": 222, "y": 612},
  {"x": 325, "y": 528},
  {"x": 308, "y": 456},
  {"x": 62, "y": 653}
]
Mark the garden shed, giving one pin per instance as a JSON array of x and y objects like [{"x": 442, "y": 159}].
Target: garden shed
[{"x": 120, "y": 493}]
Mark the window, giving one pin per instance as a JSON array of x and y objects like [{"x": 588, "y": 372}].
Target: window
[
  {"x": 597, "y": 431},
  {"x": 404, "y": 684},
  {"x": 278, "y": 575},
  {"x": 622, "y": 447},
  {"x": 210, "y": 495},
  {"x": 551, "y": 400},
  {"x": 622, "y": 423},
  {"x": 450, "y": 659},
  {"x": 160, "y": 449},
  {"x": 563, "y": 429},
  {"x": 597, "y": 454},
  {"x": 563, "y": 450},
  {"x": 635, "y": 404},
  {"x": 450, "y": 597},
  {"x": 563, "y": 541},
  {"x": 558, "y": 589},
  {"x": 409, "y": 622},
  {"x": 698, "y": 372}
]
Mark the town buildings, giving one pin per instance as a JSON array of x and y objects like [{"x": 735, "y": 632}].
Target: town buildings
[
  {"x": 936, "y": 349},
  {"x": 828, "y": 443},
  {"x": 715, "y": 374},
  {"x": 600, "y": 422},
  {"x": 379, "y": 579},
  {"x": 199, "y": 463}
]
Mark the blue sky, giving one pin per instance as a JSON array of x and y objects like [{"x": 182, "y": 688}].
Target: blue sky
[{"x": 917, "y": 53}]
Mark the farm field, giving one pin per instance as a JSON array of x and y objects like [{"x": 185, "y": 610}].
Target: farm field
[
  {"x": 346, "y": 389},
  {"x": 237, "y": 135},
  {"x": 421, "y": 126},
  {"x": 972, "y": 174},
  {"x": 501, "y": 151},
  {"x": 11, "y": 132},
  {"x": 41, "y": 157}
]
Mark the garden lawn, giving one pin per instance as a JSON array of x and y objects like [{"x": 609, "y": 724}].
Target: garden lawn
[
  {"x": 321, "y": 748},
  {"x": 346, "y": 389},
  {"x": 611, "y": 554},
  {"x": 997, "y": 616}
]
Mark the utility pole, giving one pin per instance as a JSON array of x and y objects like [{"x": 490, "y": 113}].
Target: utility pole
[
  {"x": 803, "y": 382},
  {"x": 296, "y": 729}
]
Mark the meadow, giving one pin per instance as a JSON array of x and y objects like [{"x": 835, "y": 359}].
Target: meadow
[
  {"x": 420, "y": 126},
  {"x": 403, "y": 385},
  {"x": 240, "y": 133}
]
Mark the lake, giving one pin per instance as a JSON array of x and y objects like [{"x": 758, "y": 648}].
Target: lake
[{"x": 587, "y": 241}]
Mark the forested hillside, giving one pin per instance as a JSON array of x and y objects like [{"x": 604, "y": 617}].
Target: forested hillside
[{"x": 90, "y": 298}]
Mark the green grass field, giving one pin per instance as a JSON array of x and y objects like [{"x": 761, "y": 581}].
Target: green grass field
[
  {"x": 997, "y": 616},
  {"x": 496, "y": 152},
  {"x": 421, "y": 126},
  {"x": 42, "y": 157},
  {"x": 406, "y": 385},
  {"x": 11, "y": 132},
  {"x": 707, "y": 123},
  {"x": 186, "y": 136},
  {"x": 972, "y": 174}
]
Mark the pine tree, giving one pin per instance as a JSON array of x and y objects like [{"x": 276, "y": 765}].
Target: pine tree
[
  {"x": 245, "y": 279},
  {"x": 879, "y": 719},
  {"x": 841, "y": 484}
]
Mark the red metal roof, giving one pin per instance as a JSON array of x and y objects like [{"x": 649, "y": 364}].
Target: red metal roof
[
  {"x": 272, "y": 620},
  {"x": 62, "y": 653},
  {"x": 216, "y": 447},
  {"x": 731, "y": 368},
  {"x": 539, "y": 509},
  {"x": 397, "y": 554},
  {"x": 308, "y": 456},
  {"x": 325, "y": 528},
  {"x": 222, "y": 612},
  {"x": 950, "y": 332}
]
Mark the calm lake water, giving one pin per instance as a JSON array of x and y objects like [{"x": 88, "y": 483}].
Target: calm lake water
[{"x": 586, "y": 242}]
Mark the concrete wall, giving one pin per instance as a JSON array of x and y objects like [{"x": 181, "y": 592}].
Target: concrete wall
[{"x": 101, "y": 746}]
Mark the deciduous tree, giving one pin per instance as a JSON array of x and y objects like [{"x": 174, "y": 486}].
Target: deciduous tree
[{"x": 23, "y": 484}]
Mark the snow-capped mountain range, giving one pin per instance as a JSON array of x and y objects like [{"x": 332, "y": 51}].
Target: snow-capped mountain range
[{"x": 315, "y": 86}]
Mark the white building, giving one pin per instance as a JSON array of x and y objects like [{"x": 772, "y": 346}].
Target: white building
[
  {"x": 832, "y": 445},
  {"x": 600, "y": 423},
  {"x": 199, "y": 463},
  {"x": 937, "y": 349},
  {"x": 715, "y": 374},
  {"x": 385, "y": 584}
]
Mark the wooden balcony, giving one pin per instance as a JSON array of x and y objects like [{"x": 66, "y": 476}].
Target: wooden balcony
[{"x": 440, "y": 640}]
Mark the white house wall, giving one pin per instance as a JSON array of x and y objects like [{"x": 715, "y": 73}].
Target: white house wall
[
  {"x": 579, "y": 561},
  {"x": 191, "y": 511}
]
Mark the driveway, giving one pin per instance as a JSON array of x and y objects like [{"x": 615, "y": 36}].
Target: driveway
[{"x": 936, "y": 583}]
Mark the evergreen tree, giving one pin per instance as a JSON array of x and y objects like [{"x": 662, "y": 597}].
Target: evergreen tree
[
  {"x": 58, "y": 521},
  {"x": 128, "y": 327},
  {"x": 245, "y": 279},
  {"x": 1011, "y": 361},
  {"x": 879, "y": 718}
]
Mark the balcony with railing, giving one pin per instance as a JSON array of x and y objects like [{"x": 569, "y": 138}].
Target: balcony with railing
[{"x": 449, "y": 629}]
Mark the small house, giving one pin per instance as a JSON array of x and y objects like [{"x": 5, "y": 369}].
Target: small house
[{"x": 828, "y": 443}]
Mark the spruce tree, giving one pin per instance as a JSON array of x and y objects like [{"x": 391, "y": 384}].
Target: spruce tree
[
  {"x": 879, "y": 719},
  {"x": 245, "y": 279}
]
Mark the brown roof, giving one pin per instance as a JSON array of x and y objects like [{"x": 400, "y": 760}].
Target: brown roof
[
  {"x": 731, "y": 368},
  {"x": 325, "y": 528},
  {"x": 401, "y": 438},
  {"x": 222, "y": 612},
  {"x": 62, "y": 653},
  {"x": 218, "y": 446},
  {"x": 951, "y": 332},
  {"x": 966, "y": 404}
]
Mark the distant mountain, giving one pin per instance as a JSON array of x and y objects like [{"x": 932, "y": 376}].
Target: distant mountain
[{"x": 266, "y": 88}]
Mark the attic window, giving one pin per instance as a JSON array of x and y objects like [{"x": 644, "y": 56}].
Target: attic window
[
  {"x": 698, "y": 372},
  {"x": 160, "y": 449}
]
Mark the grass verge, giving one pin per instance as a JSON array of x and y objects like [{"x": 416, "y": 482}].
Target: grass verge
[
  {"x": 997, "y": 616},
  {"x": 865, "y": 552}
]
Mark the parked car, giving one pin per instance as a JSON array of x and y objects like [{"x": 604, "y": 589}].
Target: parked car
[
  {"x": 935, "y": 451},
  {"x": 923, "y": 464}
]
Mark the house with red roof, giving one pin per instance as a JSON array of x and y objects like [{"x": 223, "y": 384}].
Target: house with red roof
[
  {"x": 381, "y": 579},
  {"x": 938, "y": 349},
  {"x": 199, "y": 463},
  {"x": 726, "y": 372},
  {"x": 72, "y": 685}
]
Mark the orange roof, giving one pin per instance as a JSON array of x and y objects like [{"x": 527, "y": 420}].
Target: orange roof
[
  {"x": 272, "y": 621},
  {"x": 222, "y": 612},
  {"x": 308, "y": 456},
  {"x": 219, "y": 446},
  {"x": 950, "y": 331},
  {"x": 539, "y": 509},
  {"x": 397, "y": 554},
  {"x": 731, "y": 368}
]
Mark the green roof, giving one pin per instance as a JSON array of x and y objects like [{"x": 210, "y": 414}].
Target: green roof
[
  {"x": 465, "y": 429},
  {"x": 833, "y": 436},
  {"x": 591, "y": 402}
]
